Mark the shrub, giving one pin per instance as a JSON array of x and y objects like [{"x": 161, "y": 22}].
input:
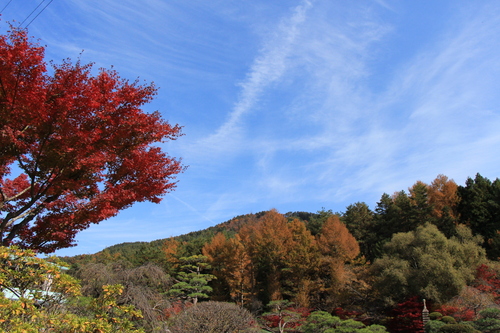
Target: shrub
[
  {"x": 435, "y": 316},
  {"x": 433, "y": 326},
  {"x": 212, "y": 316},
  {"x": 406, "y": 316},
  {"x": 489, "y": 321},
  {"x": 490, "y": 313},
  {"x": 457, "y": 328},
  {"x": 143, "y": 288},
  {"x": 448, "y": 320},
  {"x": 323, "y": 322}
]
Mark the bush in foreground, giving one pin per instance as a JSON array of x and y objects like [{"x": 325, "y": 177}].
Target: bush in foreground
[{"x": 212, "y": 316}]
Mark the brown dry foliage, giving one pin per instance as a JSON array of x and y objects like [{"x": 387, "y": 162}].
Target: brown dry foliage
[
  {"x": 143, "y": 286},
  {"x": 220, "y": 317}
]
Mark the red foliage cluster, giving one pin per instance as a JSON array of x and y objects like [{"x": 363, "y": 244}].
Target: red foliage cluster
[
  {"x": 459, "y": 313},
  {"x": 407, "y": 317},
  {"x": 356, "y": 315},
  {"x": 294, "y": 317},
  {"x": 487, "y": 281},
  {"x": 81, "y": 147},
  {"x": 345, "y": 314},
  {"x": 304, "y": 312},
  {"x": 176, "y": 308}
]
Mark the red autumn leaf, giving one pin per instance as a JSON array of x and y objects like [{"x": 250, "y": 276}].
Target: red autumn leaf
[{"x": 75, "y": 148}]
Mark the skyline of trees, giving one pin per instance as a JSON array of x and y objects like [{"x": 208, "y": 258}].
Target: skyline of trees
[{"x": 412, "y": 246}]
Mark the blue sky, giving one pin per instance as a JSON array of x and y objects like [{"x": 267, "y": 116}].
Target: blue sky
[{"x": 293, "y": 105}]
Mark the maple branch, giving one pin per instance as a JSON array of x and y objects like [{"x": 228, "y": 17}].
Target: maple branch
[
  {"x": 13, "y": 216},
  {"x": 22, "y": 166},
  {"x": 2, "y": 89},
  {"x": 42, "y": 145},
  {"x": 25, "y": 210},
  {"x": 5, "y": 199},
  {"x": 28, "y": 217},
  {"x": 10, "y": 220},
  {"x": 25, "y": 128}
]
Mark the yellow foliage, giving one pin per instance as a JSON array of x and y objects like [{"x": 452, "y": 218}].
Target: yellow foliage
[{"x": 24, "y": 273}]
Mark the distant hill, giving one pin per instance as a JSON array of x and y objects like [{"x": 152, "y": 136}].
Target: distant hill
[{"x": 139, "y": 253}]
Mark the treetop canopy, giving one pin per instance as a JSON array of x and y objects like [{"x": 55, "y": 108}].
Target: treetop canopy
[{"x": 75, "y": 148}]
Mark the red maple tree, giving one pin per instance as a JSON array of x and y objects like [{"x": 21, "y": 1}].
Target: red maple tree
[
  {"x": 460, "y": 313},
  {"x": 406, "y": 316},
  {"x": 487, "y": 281},
  {"x": 75, "y": 148}
]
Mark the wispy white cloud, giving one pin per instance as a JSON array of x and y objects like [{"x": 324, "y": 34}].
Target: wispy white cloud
[
  {"x": 436, "y": 115},
  {"x": 268, "y": 67},
  {"x": 191, "y": 208},
  {"x": 442, "y": 100}
]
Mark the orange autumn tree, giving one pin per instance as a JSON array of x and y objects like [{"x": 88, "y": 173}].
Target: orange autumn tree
[
  {"x": 302, "y": 264},
  {"x": 267, "y": 243},
  {"x": 336, "y": 241},
  {"x": 274, "y": 259},
  {"x": 338, "y": 246},
  {"x": 171, "y": 250},
  {"x": 443, "y": 196},
  {"x": 232, "y": 267},
  {"x": 444, "y": 199},
  {"x": 270, "y": 259}
]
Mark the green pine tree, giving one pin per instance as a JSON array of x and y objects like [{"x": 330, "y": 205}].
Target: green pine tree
[{"x": 192, "y": 283}]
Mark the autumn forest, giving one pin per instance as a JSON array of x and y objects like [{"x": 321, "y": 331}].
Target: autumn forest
[{"x": 436, "y": 241}]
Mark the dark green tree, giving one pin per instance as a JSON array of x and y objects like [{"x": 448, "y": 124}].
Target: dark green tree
[
  {"x": 479, "y": 208},
  {"x": 315, "y": 223},
  {"x": 392, "y": 216},
  {"x": 404, "y": 212},
  {"x": 420, "y": 208},
  {"x": 359, "y": 220},
  {"x": 192, "y": 283}
]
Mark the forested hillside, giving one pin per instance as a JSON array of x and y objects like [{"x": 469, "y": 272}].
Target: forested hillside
[{"x": 437, "y": 241}]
